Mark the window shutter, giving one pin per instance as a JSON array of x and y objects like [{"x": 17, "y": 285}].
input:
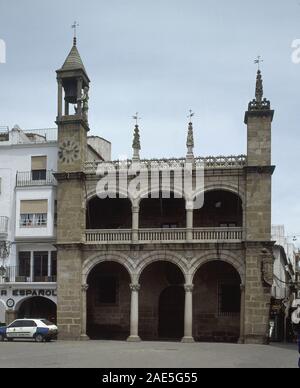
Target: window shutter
[
  {"x": 38, "y": 163},
  {"x": 34, "y": 207}
]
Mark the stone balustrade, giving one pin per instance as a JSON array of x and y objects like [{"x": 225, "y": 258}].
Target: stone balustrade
[{"x": 123, "y": 236}]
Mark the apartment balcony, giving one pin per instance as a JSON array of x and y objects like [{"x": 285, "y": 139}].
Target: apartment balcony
[
  {"x": 160, "y": 236},
  {"x": 3, "y": 227},
  {"x": 17, "y": 275},
  {"x": 35, "y": 178}
]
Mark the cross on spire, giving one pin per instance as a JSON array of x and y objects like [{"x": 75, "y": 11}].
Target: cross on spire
[
  {"x": 136, "y": 118},
  {"x": 74, "y": 26},
  {"x": 191, "y": 115},
  {"x": 258, "y": 61}
]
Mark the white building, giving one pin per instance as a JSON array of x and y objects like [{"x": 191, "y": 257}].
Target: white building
[
  {"x": 284, "y": 277},
  {"x": 28, "y": 160}
]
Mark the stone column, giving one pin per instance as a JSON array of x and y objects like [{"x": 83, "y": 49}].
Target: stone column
[
  {"x": 79, "y": 93},
  {"x": 66, "y": 108},
  {"x": 189, "y": 223},
  {"x": 59, "y": 99},
  {"x": 134, "y": 314},
  {"x": 83, "y": 336},
  {"x": 135, "y": 223},
  {"x": 11, "y": 315},
  {"x": 188, "y": 314},
  {"x": 242, "y": 318}
]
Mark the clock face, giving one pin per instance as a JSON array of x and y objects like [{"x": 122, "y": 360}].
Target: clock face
[
  {"x": 10, "y": 303},
  {"x": 68, "y": 152}
]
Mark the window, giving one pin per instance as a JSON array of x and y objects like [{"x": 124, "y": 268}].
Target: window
[
  {"x": 38, "y": 167},
  {"x": 33, "y": 213},
  {"x": 16, "y": 324},
  {"x": 24, "y": 264},
  {"x": 229, "y": 299},
  {"x": 40, "y": 270},
  {"x": 107, "y": 290},
  {"x": 28, "y": 324}
]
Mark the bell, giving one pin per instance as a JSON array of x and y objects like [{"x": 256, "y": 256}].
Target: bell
[{"x": 70, "y": 88}]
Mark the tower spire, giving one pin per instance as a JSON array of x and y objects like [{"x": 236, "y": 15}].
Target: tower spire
[
  {"x": 190, "y": 138},
  {"x": 136, "y": 145},
  {"x": 259, "y": 90},
  {"x": 259, "y": 103}
]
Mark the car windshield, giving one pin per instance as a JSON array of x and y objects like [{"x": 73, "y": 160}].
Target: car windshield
[{"x": 46, "y": 322}]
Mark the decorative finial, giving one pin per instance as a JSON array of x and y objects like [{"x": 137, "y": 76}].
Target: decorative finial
[
  {"x": 74, "y": 26},
  {"x": 259, "y": 103},
  {"x": 190, "y": 138},
  {"x": 136, "y": 145},
  {"x": 258, "y": 61},
  {"x": 191, "y": 115}
]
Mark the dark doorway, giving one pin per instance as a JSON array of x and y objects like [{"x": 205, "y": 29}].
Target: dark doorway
[
  {"x": 161, "y": 302},
  {"x": 38, "y": 308},
  {"x": 171, "y": 313},
  {"x": 108, "y": 302}
]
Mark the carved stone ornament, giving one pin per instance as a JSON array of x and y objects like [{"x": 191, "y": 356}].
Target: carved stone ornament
[
  {"x": 267, "y": 267},
  {"x": 188, "y": 287},
  {"x": 135, "y": 287},
  {"x": 84, "y": 287}
]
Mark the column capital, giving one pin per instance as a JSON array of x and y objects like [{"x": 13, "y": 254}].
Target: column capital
[
  {"x": 188, "y": 287},
  {"x": 84, "y": 287},
  {"x": 135, "y": 208},
  {"x": 242, "y": 286},
  {"x": 135, "y": 287}
]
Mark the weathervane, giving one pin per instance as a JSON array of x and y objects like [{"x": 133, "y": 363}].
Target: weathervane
[
  {"x": 258, "y": 61},
  {"x": 136, "y": 118},
  {"x": 74, "y": 26},
  {"x": 191, "y": 115}
]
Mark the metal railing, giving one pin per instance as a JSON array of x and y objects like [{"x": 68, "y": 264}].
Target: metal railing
[
  {"x": 15, "y": 274},
  {"x": 174, "y": 235},
  {"x": 45, "y": 135},
  {"x": 30, "y": 178},
  {"x": 3, "y": 225}
]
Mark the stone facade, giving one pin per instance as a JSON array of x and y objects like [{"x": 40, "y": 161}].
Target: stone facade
[{"x": 231, "y": 251}]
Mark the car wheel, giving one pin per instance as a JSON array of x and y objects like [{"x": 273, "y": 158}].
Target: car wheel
[
  {"x": 1, "y": 337},
  {"x": 39, "y": 338},
  {"x": 10, "y": 339}
]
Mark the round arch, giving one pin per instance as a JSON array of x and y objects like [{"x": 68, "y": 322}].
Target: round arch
[
  {"x": 117, "y": 257},
  {"x": 164, "y": 257},
  {"x": 222, "y": 187},
  {"x": 228, "y": 258},
  {"x": 37, "y": 307},
  {"x": 147, "y": 193},
  {"x": 93, "y": 194}
]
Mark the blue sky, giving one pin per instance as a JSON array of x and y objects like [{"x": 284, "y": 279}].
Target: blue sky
[{"x": 162, "y": 58}]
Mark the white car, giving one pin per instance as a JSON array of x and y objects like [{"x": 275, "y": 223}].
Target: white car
[{"x": 38, "y": 329}]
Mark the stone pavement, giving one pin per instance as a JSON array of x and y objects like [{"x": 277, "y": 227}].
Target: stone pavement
[{"x": 111, "y": 354}]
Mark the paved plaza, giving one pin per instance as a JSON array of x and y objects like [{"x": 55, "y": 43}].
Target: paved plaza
[{"x": 111, "y": 354}]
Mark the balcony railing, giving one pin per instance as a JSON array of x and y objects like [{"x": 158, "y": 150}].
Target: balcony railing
[
  {"x": 30, "y": 178},
  {"x": 209, "y": 162},
  {"x": 16, "y": 275},
  {"x": 3, "y": 225},
  {"x": 176, "y": 235}
]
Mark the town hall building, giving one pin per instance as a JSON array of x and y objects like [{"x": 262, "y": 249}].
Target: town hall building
[{"x": 151, "y": 265}]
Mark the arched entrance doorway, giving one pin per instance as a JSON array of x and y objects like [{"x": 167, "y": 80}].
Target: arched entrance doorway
[
  {"x": 108, "y": 302},
  {"x": 217, "y": 303},
  {"x": 171, "y": 313},
  {"x": 38, "y": 307},
  {"x": 161, "y": 311}
]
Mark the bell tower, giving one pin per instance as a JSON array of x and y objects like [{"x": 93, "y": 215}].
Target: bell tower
[
  {"x": 72, "y": 121},
  {"x": 72, "y": 112},
  {"x": 258, "y": 244}
]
